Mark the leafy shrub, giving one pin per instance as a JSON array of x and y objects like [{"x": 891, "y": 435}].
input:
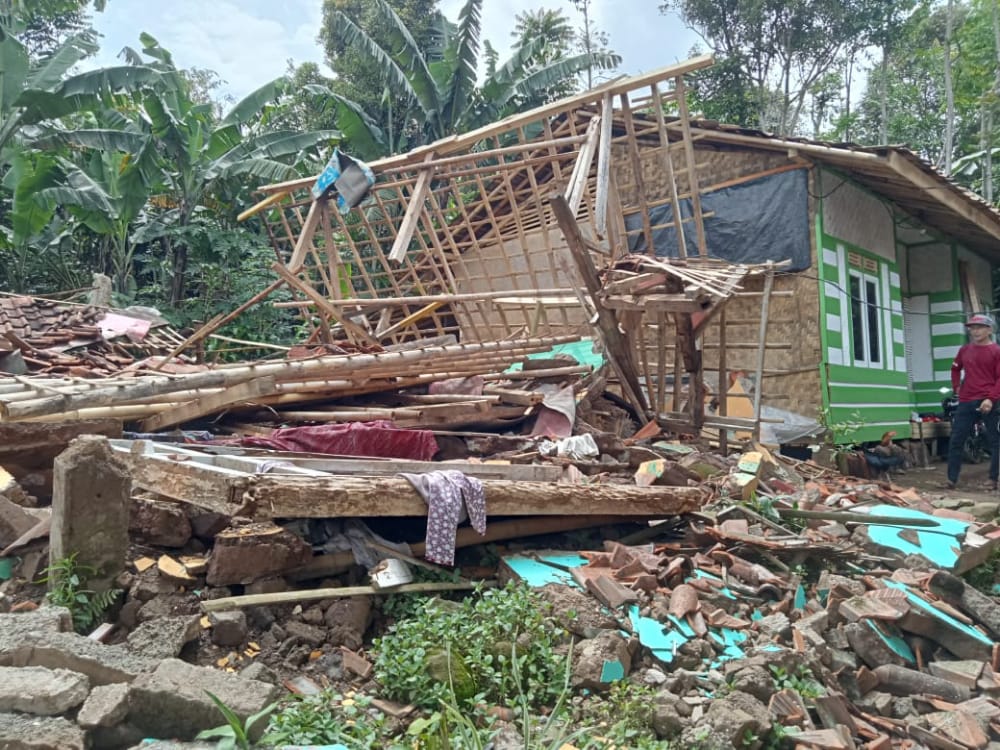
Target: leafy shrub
[
  {"x": 67, "y": 580},
  {"x": 469, "y": 648}
]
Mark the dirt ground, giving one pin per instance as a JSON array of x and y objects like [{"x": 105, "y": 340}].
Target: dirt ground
[{"x": 972, "y": 481}]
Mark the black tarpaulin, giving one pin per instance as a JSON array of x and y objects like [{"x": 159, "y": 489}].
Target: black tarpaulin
[{"x": 762, "y": 219}]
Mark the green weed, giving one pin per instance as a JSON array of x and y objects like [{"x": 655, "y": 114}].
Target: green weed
[{"x": 67, "y": 582}]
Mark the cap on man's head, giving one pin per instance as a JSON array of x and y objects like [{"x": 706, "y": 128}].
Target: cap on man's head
[{"x": 979, "y": 319}]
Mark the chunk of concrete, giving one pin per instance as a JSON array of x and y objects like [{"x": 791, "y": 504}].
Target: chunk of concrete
[
  {"x": 159, "y": 523},
  {"x": 348, "y": 620},
  {"x": 45, "y": 619},
  {"x": 26, "y": 732},
  {"x": 228, "y": 628},
  {"x": 245, "y": 553},
  {"x": 14, "y": 520},
  {"x": 90, "y": 504},
  {"x": 164, "y": 637},
  {"x": 173, "y": 700},
  {"x": 601, "y": 661},
  {"x": 106, "y": 706},
  {"x": 36, "y": 690},
  {"x": 100, "y": 663},
  {"x": 308, "y": 634}
]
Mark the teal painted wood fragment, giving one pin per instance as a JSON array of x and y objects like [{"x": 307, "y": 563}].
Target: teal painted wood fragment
[
  {"x": 612, "y": 671},
  {"x": 892, "y": 638},
  {"x": 730, "y": 641},
  {"x": 536, "y": 573},
  {"x": 652, "y": 634},
  {"x": 582, "y": 351},
  {"x": 681, "y": 448},
  {"x": 724, "y": 590},
  {"x": 756, "y": 615},
  {"x": 941, "y": 544},
  {"x": 683, "y": 628},
  {"x": 800, "y": 598},
  {"x": 937, "y": 613}
]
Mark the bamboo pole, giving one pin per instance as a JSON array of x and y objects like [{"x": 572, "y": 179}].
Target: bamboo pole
[
  {"x": 357, "y": 365},
  {"x": 280, "y": 597}
]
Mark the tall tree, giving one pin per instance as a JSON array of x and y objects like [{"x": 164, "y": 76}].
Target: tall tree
[
  {"x": 361, "y": 79},
  {"x": 200, "y": 153},
  {"x": 441, "y": 91},
  {"x": 558, "y": 39},
  {"x": 776, "y": 51},
  {"x": 590, "y": 39}
]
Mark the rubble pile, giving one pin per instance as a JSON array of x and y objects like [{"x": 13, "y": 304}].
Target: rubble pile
[
  {"x": 64, "y": 340},
  {"x": 788, "y": 599}
]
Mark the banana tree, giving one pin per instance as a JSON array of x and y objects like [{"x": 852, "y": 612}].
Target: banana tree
[
  {"x": 33, "y": 93},
  {"x": 207, "y": 160},
  {"x": 441, "y": 84}
]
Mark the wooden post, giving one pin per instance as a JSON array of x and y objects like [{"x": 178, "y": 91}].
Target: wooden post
[
  {"x": 414, "y": 210},
  {"x": 604, "y": 166},
  {"x": 723, "y": 383},
  {"x": 581, "y": 170},
  {"x": 304, "y": 241},
  {"x": 765, "y": 306},
  {"x": 352, "y": 330},
  {"x": 607, "y": 325},
  {"x": 90, "y": 506}
]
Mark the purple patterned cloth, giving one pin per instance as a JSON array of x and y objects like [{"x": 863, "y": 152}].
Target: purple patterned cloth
[{"x": 449, "y": 494}]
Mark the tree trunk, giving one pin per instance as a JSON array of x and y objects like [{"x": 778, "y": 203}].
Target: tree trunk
[
  {"x": 883, "y": 128},
  {"x": 949, "y": 126},
  {"x": 177, "y": 277},
  {"x": 993, "y": 103},
  {"x": 848, "y": 73}
]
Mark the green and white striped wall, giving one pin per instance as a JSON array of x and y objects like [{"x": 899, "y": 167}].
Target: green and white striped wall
[
  {"x": 877, "y": 394},
  {"x": 947, "y": 334}
]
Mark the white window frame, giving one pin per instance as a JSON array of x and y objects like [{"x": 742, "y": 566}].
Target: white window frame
[{"x": 867, "y": 283}]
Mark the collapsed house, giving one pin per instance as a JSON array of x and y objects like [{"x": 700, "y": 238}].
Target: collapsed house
[{"x": 475, "y": 306}]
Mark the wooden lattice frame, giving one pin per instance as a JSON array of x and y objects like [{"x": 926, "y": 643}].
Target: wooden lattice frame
[{"x": 393, "y": 268}]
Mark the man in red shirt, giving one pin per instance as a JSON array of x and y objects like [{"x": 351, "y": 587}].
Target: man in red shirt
[{"x": 978, "y": 393}]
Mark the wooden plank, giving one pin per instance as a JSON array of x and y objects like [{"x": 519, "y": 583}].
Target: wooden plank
[
  {"x": 351, "y": 496},
  {"x": 692, "y": 174},
  {"x": 351, "y": 329},
  {"x": 210, "y": 487},
  {"x": 212, "y": 403},
  {"x": 668, "y": 163},
  {"x": 607, "y": 326},
  {"x": 414, "y": 209},
  {"x": 762, "y": 348},
  {"x": 304, "y": 241},
  {"x": 604, "y": 166},
  {"x": 640, "y": 185},
  {"x": 581, "y": 169}
]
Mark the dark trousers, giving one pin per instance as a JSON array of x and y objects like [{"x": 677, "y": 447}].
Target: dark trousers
[{"x": 961, "y": 427}]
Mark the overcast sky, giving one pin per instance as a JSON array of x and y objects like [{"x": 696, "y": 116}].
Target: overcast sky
[{"x": 247, "y": 42}]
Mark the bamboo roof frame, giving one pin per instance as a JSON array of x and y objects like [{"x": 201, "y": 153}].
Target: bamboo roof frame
[{"x": 441, "y": 245}]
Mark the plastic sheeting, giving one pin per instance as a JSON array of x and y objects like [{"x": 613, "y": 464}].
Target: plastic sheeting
[
  {"x": 756, "y": 221},
  {"x": 378, "y": 439}
]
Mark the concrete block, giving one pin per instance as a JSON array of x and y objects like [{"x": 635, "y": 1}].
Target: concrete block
[
  {"x": 36, "y": 690},
  {"x": 90, "y": 503},
  {"x": 159, "y": 523},
  {"x": 25, "y": 732},
  {"x": 164, "y": 637},
  {"x": 228, "y": 628},
  {"x": 14, "y": 520},
  {"x": 102, "y": 664},
  {"x": 106, "y": 706},
  {"x": 258, "y": 550},
  {"x": 173, "y": 700}
]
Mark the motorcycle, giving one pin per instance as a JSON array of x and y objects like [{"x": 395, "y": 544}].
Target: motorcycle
[{"x": 976, "y": 448}]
